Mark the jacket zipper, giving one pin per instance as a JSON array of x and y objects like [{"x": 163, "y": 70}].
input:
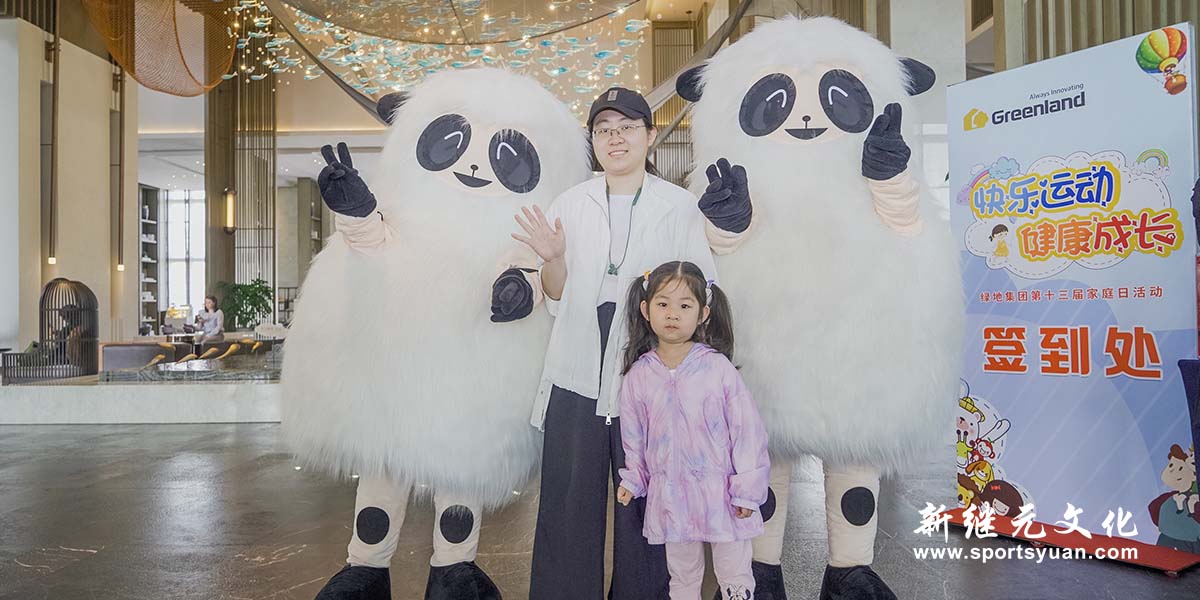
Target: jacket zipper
[{"x": 607, "y": 254}]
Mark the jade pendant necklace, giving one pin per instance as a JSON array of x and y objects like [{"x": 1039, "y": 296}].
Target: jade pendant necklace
[{"x": 614, "y": 269}]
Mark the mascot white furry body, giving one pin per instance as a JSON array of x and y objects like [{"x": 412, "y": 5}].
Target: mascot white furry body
[
  {"x": 845, "y": 290},
  {"x": 393, "y": 370}
]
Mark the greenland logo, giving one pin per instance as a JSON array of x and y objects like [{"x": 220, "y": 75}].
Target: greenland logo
[{"x": 974, "y": 119}]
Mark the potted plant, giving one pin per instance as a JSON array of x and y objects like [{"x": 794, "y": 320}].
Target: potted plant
[{"x": 245, "y": 304}]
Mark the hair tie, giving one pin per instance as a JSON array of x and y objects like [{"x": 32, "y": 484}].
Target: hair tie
[
  {"x": 646, "y": 281},
  {"x": 708, "y": 291}
]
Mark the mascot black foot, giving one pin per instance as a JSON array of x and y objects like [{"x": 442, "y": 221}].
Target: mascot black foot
[
  {"x": 460, "y": 581},
  {"x": 854, "y": 583},
  {"x": 768, "y": 581},
  {"x": 358, "y": 583}
]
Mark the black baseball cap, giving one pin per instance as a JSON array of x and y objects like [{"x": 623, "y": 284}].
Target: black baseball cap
[{"x": 622, "y": 100}]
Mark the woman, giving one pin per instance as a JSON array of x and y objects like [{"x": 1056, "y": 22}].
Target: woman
[
  {"x": 606, "y": 233},
  {"x": 211, "y": 321}
]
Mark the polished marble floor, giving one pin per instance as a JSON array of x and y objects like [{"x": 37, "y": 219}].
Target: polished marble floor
[{"x": 220, "y": 512}]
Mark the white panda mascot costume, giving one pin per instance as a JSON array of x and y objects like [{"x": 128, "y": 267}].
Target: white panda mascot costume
[
  {"x": 396, "y": 369},
  {"x": 844, "y": 283}
]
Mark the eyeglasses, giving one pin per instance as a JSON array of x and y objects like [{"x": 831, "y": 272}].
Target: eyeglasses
[{"x": 623, "y": 131}]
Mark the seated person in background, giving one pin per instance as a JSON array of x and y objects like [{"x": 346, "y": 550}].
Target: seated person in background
[
  {"x": 211, "y": 321},
  {"x": 70, "y": 336}
]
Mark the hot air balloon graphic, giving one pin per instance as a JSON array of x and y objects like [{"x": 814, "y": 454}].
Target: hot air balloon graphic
[{"x": 1160, "y": 53}]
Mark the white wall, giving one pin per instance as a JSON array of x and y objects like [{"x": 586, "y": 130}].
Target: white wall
[
  {"x": 718, "y": 12},
  {"x": 21, "y": 51},
  {"x": 82, "y": 242},
  {"x": 945, "y": 52},
  {"x": 287, "y": 244},
  {"x": 318, "y": 105},
  {"x": 163, "y": 113},
  {"x": 125, "y": 312},
  {"x": 85, "y": 240},
  {"x": 10, "y": 212}
]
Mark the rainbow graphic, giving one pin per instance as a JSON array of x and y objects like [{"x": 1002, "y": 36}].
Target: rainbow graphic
[
  {"x": 1154, "y": 153},
  {"x": 964, "y": 195}
]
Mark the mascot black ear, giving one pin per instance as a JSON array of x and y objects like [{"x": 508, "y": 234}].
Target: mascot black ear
[
  {"x": 387, "y": 105},
  {"x": 688, "y": 84},
  {"x": 920, "y": 76}
]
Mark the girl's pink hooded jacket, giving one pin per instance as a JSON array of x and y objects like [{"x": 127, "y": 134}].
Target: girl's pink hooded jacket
[{"x": 695, "y": 447}]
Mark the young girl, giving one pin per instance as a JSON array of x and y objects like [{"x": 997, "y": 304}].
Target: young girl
[
  {"x": 694, "y": 443},
  {"x": 999, "y": 232}
]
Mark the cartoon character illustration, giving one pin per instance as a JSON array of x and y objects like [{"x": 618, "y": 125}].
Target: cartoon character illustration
[
  {"x": 1003, "y": 498},
  {"x": 966, "y": 429},
  {"x": 1160, "y": 53},
  {"x": 999, "y": 233},
  {"x": 801, "y": 137},
  {"x": 738, "y": 594},
  {"x": 983, "y": 453},
  {"x": 968, "y": 492},
  {"x": 396, "y": 369},
  {"x": 1174, "y": 513}
]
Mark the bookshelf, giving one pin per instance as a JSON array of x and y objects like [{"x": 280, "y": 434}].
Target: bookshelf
[{"x": 149, "y": 253}]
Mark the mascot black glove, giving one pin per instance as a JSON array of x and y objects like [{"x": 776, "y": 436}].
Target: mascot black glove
[
  {"x": 1196, "y": 205},
  {"x": 885, "y": 154},
  {"x": 726, "y": 201},
  {"x": 512, "y": 296},
  {"x": 341, "y": 187}
]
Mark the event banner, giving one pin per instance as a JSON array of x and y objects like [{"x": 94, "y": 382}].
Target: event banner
[{"x": 1071, "y": 182}]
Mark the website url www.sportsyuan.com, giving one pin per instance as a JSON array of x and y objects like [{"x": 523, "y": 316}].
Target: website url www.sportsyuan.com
[{"x": 1024, "y": 553}]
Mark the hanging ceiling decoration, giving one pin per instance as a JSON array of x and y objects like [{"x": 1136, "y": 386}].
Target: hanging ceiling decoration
[
  {"x": 575, "y": 64},
  {"x": 458, "y": 21},
  {"x": 176, "y": 47}
]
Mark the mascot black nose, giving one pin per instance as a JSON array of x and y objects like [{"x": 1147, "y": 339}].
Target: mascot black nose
[
  {"x": 806, "y": 119},
  {"x": 473, "y": 169}
]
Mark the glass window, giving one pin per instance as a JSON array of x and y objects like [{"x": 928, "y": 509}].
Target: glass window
[
  {"x": 198, "y": 221},
  {"x": 177, "y": 216},
  {"x": 199, "y": 289},
  {"x": 177, "y": 286},
  {"x": 186, "y": 220}
]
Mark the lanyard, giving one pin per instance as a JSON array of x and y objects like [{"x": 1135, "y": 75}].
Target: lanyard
[{"x": 614, "y": 269}]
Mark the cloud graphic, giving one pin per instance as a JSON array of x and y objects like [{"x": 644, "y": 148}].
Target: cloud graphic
[{"x": 1141, "y": 188}]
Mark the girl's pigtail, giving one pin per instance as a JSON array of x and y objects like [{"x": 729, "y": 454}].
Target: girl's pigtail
[
  {"x": 641, "y": 336},
  {"x": 718, "y": 329}
]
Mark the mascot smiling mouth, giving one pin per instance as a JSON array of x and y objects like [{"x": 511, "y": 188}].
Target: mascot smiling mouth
[
  {"x": 471, "y": 180},
  {"x": 806, "y": 133}
]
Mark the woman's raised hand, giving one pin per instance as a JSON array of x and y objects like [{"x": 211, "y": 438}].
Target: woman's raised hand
[{"x": 548, "y": 242}]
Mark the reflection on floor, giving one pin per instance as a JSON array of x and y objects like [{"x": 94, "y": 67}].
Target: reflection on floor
[{"x": 219, "y": 511}]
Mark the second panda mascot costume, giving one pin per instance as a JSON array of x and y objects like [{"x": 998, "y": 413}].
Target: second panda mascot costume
[
  {"x": 415, "y": 349},
  {"x": 844, "y": 283}
]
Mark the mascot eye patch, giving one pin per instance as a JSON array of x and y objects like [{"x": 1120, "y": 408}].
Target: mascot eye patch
[
  {"x": 514, "y": 161},
  {"x": 846, "y": 101},
  {"x": 443, "y": 142},
  {"x": 767, "y": 105}
]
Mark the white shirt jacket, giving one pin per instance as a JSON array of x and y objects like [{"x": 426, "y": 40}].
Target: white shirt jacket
[{"x": 666, "y": 225}]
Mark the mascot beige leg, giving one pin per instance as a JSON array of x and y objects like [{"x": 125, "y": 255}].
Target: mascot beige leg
[
  {"x": 379, "y": 508},
  {"x": 455, "y": 530},
  {"x": 768, "y": 547},
  {"x": 453, "y": 574},
  {"x": 852, "y": 521}
]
